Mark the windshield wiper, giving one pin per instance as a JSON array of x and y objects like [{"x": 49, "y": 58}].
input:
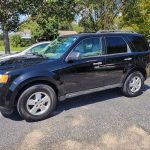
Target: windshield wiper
[{"x": 36, "y": 54}]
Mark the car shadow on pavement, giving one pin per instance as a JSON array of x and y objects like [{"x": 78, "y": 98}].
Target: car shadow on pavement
[
  {"x": 91, "y": 99},
  {"x": 14, "y": 116},
  {"x": 88, "y": 99},
  {"x": 146, "y": 87},
  {"x": 80, "y": 101}
]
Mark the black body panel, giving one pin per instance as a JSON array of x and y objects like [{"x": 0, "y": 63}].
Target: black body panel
[{"x": 80, "y": 76}]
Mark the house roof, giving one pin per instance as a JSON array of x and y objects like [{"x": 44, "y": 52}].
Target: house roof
[
  {"x": 61, "y": 32},
  {"x": 26, "y": 34}
]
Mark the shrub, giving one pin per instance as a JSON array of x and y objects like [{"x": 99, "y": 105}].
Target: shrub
[
  {"x": 1, "y": 36},
  {"x": 1, "y": 43},
  {"x": 25, "y": 43},
  {"x": 16, "y": 40}
]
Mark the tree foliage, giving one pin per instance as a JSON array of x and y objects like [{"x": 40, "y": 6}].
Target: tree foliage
[
  {"x": 75, "y": 26},
  {"x": 16, "y": 40},
  {"x": 96, "y": 14},
  {"x": 51, "y": 16},
  {"x": 136, "y": 16},
  {"x": 1, "y": 36},
  {"x": 46, "y": 17},
  {"x": 10, "y": 11}
]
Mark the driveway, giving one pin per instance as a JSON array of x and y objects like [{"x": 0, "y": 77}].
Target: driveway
[{"x": 102, "y": 121}]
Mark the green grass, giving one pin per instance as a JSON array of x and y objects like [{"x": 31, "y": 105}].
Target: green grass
[{"x": 15, "y": 49}]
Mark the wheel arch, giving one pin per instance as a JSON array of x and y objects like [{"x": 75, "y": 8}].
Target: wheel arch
[
  {"x": 140, "y": 69},
  {"x": 32, "y": 83}
]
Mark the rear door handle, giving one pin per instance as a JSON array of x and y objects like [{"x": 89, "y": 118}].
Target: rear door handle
[
  {"x": 98, "y": 63},
  {"x": 128, "y": 59}
]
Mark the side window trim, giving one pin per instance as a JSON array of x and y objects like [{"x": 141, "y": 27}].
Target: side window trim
[
  {"x": 128, "y": 47},
  {"x": 102, "y": 46}
]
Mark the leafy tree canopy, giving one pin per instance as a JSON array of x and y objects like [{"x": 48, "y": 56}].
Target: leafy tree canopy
[
  {"x": 99, "y": 14},
  {"x": 51, "y": 16},
  {"x": 136, "y": 16},
  {"x": 10, "y": 11}
]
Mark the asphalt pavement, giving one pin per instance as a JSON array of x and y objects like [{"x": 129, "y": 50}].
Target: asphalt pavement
[{"x": 101, "y": 121}]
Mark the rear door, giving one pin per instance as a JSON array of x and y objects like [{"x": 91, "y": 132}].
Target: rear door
[{"x": 118, "y": 59}]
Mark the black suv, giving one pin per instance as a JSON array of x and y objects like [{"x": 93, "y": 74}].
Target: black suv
[{"x": 71, "y": 66}]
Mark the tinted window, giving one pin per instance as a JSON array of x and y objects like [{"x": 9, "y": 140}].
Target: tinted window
[
  {"x": 90, "y": 47},
  {"x": 115, "y": 45},
  {"x": 139, "y": 43}
]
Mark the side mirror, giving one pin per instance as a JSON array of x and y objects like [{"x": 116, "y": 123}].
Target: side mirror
[{"x": 73, "y": 56}]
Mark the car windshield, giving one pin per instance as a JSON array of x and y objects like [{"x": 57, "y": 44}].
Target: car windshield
[{"x": 58, "y": 47}]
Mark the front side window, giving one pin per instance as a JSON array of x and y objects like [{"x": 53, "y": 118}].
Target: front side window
[
  {"x": 90, "y": 47},
  {"x": 116, "y": 45}
]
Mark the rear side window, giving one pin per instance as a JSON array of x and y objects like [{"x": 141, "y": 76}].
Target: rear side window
[
  {"x": 139, "y": 43},
  {"x": 116, "y": 45}
]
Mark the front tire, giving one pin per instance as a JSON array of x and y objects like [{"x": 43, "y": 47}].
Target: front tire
[
  {"x": 133, "y": 84},
  {"x": 37, "y": 102}
]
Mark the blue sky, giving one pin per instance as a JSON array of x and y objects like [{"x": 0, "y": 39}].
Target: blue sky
[{"x": 22, "y": 18}]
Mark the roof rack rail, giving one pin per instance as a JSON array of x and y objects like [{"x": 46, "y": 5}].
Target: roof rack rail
[{"x": 115, "y": 31}]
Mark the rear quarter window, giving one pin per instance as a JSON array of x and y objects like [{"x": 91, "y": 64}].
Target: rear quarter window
[{"x": 140, "y": 43}]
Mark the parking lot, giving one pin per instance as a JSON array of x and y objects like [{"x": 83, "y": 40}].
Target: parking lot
[{"x": 105, "y": 120}]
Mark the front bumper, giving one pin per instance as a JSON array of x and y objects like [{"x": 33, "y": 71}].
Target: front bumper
[{"x": 5, "y": 103}]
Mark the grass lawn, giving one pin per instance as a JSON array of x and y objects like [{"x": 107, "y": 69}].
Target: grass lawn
[{"x": 15, "y": 49}]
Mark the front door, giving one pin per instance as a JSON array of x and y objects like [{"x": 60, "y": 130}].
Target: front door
[{"x": 87, "y": 72}]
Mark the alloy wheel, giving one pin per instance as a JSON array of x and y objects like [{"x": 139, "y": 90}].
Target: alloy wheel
[{"x": 38, "y": 103}]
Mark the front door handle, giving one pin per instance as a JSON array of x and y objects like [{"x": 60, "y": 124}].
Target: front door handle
[
  {"x": 128, "y": 59},
  {"x": 98, "y": 63}
]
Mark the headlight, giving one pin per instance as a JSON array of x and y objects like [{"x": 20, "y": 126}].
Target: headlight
[{"x": 3, "y": 78}]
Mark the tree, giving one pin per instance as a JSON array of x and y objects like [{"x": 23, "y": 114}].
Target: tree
[
  {"x": 136, "y": 16},
  {"x": 99, "y": 14},
  {"x": 53, "y": 15},
  {"x": 47, "y": 29},
  {"x": 1, "y": 36},
  {"x": 9, "y": 16},
  {"x": 9, "y": 20},
  {"x": 76, "y": 27}
]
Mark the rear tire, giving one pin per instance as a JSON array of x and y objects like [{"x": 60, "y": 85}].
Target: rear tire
[
  {"x": 37, "y": 102},
  {"x": 133, "y": 84}
]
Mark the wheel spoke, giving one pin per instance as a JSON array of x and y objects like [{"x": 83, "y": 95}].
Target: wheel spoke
[
  {"x": 137, "y": 86},
  {"x": 133, "y": 89},
  {"x": 138, "y": 80},
  {"x": 38, "y": 96},
  {"x": 34, "y": 109},
  {"x": 45, "y": 99},
  {"x": 134, "y": 80},
  {"x": 43, "y": 108},
  {"x": 31, "y": 102},
  {"x": 132, "y": 84}
]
